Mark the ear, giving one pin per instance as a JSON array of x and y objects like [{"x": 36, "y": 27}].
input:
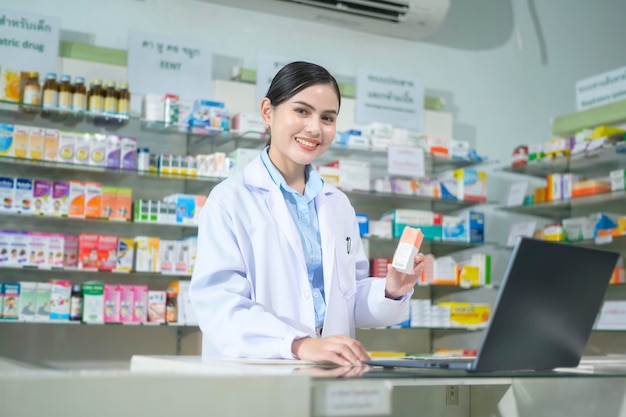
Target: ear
[{"x": 266, "y": 111}]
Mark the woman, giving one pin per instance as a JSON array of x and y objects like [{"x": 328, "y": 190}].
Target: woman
[{"x": 281, "y": 271}]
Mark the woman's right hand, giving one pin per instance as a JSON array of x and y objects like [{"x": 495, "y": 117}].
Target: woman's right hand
[{"x": 339, "y": 349}]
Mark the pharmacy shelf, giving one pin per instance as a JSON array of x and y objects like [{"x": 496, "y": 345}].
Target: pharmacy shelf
[
  {"x": 440, "y": 290},
  {"x": 436, "y": 247},
  {"x": 36, "y": 166},
  {"x": 380, "y": 202},
  {"x": 67, "y": 272},
  {"x": 251, "y": 140},
  {"x": 79, "y": 323},
  {"x": 120, "y": 228},
  {"x": 610, "y": 243},
  {"x": 595, "y": 163},
  {"x": 611, "y": 202},
  {"x": 440, "y": 330},
  {"x": 12, "y": 113}
]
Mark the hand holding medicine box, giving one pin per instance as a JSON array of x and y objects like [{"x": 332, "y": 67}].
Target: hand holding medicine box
[{"x": 409, "y": 246}]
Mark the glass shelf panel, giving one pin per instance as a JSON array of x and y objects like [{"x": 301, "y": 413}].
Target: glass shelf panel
[
  {"x": 613, "y": 201},
  {"x": 27, "y": 270},
  {"x": 594, "y": 163}
]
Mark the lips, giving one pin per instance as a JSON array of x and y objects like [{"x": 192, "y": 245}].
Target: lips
[{"x": 307, "y": 142}]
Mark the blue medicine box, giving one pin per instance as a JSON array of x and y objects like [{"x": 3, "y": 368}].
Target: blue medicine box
[{"x": 364, "y": 221}]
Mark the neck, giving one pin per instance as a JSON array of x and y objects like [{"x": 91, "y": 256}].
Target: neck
[{"x": 292, "y": 173}]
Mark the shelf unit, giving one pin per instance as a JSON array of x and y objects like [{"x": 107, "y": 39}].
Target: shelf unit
[
  {"x": 557, "y": 210},
  {"x": 161, "y": 138},
  {"x": 595, "y": 164}
]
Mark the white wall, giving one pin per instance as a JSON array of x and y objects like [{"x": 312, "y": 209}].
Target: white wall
[{"x": 486, "y": 61}]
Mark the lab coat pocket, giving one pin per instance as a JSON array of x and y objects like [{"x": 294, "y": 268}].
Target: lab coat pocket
[{"x": 346, "y": 271}]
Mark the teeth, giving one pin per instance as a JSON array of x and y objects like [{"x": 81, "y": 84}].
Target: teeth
[{"x": 304, "y": 142}]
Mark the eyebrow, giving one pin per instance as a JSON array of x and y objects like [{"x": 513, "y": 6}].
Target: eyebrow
[{"x": 304, "y": 103}]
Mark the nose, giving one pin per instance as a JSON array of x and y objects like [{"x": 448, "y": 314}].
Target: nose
[{"x": 313, "y": 128}]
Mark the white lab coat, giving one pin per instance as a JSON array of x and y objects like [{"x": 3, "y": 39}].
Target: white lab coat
[{"x": 250, "y": 288}]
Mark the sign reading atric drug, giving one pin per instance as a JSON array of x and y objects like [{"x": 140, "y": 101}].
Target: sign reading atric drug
[
  {"x": 160, "y": 64},
  {"x": 29, "y": 42},
  {"x": 389, "y": 98}
]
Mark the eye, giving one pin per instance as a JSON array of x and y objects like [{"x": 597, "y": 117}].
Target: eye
[
  {"x": 328, "y": 119},
  {"x": 300, "y": 111}
]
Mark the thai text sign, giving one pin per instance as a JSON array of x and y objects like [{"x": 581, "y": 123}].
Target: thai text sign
[
  {"x": 161, "y": 64},
  {"x": 601, "y": 89},
  {"x": 389, "y": 98},
  {"x": 29, "y": 42}
]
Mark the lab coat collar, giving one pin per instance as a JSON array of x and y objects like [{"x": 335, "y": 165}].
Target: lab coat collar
[{"x": 256, "y": 176}]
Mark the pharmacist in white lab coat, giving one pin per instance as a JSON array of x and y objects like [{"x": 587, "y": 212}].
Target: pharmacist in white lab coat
[{"x": 281, "y": 271}]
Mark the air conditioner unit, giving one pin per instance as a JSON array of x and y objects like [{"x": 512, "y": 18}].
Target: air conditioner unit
[{"x": 407, "y": 19}]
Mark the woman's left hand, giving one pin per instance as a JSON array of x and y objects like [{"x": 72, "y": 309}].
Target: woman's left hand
[{"x": 398, "y": 283}]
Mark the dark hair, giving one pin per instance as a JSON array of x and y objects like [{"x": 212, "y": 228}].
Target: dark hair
[{"x": 295, "y": 77}]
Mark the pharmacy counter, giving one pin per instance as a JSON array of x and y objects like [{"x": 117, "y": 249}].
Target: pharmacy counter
[
  {"x": 596, "y": 388},
  {"x": 188, "y": 386}
]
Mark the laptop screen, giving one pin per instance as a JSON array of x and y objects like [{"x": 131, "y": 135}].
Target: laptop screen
[{"x": 548, "y": 301}]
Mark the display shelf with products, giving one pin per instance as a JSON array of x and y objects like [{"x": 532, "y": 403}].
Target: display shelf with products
[
  {"x": 162, "y": 138},
  {"x": 113, "y": 226},
  {"x": 433, "y": 164},
  {"x": 95, "y": 172},
  {"x": 358, "y": 197},
  {"x": 438, "y": 247},
  {"x": 599, "y": 161},
  {"x": 612, "y": 201},
  {"x": 79, "y": 323},
  {"x": 598, "y": 208},
  {"x": 33, "y": 271},
  {"x": 11, "y": 112}
]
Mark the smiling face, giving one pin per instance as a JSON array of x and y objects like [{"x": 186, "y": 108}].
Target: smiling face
[{"x": 302, "y": 127}]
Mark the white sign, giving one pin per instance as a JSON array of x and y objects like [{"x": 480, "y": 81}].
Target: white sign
[
  {"x": 517, "y": 193},
  {"x": 29, "y": 42},
  {"x": 601, "y": 89},
  {"x": 612, "y": 316},
  {"x": 350, "y": 398},
  {"x": 161, "y": 64},
  {"x": 389, "y": 98},
  {"x": 405, "y": 161},
  {"x": 267, "y": 67},
  {"x": 524, "y": 229}
]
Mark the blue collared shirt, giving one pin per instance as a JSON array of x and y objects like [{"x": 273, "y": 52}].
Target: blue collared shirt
[{"x": 304, "y": 214}]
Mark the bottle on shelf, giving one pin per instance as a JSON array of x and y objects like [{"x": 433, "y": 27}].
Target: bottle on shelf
[
  {"x": 171, "y": 307},
  {"x": 110, "y": 98},
  {"x": 50, "y": 92},
  {"x": 76, "y": 303},
  {"x": 123, "y": 101},
  {"x": 65, "y": 94},
  {"x": 79, "y": 98},
  {"x": 95, "y": 97},
  {"x": 32, "y": 93}
]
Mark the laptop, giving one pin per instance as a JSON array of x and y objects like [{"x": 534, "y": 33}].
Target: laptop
[{"x": 544, "y": 312}]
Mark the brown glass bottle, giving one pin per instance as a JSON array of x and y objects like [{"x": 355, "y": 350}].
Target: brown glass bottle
[
  {"x": 171, "y": 307},
  {"x": 110, "y": 98},
  {"x": 79, "y": 98},
  {"x": 123, "y": 100},
  {"x": 95, "y": 97},
  {"x": 50, "y": 92},
  {"x": 32, "y": 93},
  {"x": 65, "y": 94}
]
